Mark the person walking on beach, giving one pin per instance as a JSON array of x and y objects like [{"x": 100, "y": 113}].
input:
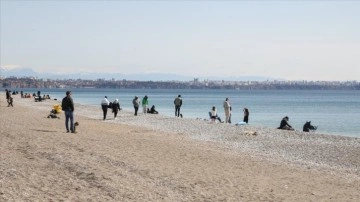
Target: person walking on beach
[
  {"x": 105, "y": 105},
  {"x": 10, "y": 101},
  {"x": 115, "y": 107},
  {"x": 67, "y": 106},
  {"x": 177, "y": 103},
  {"x": 145, "y": 103},
  {"x": 246, "y": 115},
  {"x": 7, "y": 95},
  {"x": 136, "y": 103},
  {"x": 227, "y": 109}
]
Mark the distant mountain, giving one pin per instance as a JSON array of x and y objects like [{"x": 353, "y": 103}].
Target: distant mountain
[
  {"x": 17, "y": 72},
  {"x": 28, "y": 72}
]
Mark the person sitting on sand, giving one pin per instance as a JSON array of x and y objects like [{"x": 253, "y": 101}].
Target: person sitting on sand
[
  {"x": 213, "y": 115},
  {"x": 152, "y": 110},
  {"x": 284, "y": 125}
]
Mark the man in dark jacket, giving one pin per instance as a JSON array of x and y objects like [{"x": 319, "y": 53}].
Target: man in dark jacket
[
  {"x": 177, "y": 103},
  {"x": 67, "y": 106}
]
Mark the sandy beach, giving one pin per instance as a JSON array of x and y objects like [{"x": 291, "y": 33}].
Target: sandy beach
[{"x": 158, "y": 158}]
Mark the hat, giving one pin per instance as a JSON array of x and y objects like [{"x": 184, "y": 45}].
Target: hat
[
  {"x": 68, "y": 92},
  {"x": 136, "y": 96},
  {"x": 105, "y": 96},
  {"x": 179, "y": 95},
  {"x": 116, "y": 99}
]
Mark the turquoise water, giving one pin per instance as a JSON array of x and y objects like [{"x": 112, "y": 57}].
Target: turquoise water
[{"x": 333, "y": 111}]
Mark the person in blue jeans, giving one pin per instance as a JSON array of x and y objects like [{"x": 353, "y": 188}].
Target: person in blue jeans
[{"x": 67, "y": 106}]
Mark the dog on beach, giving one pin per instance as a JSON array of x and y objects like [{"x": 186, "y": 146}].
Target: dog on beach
[
  {"x": 308, "y": 127},
  {"x": 76, "y": 124}
]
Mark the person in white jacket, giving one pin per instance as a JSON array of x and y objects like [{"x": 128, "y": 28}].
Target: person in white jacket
[
  {"x": 105, "y": 105},
  {"x": 227, "y": 109},
  {"x": 213, "y": 115}
]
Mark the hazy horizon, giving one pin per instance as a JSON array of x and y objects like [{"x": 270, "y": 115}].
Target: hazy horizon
[{"x": 278, "y": 39}]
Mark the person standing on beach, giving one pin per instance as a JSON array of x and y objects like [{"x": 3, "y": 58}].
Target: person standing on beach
[
  {"x": 136, "y": 103},
  {"x": 227, "y": 109},
  {"x": 105, "y": 105},
  {"x": 67, "y": 106},
  {"x": 177, "y": 103},
  {"x": 246, "y": 115},
  {"x": 115, "y": 107},
  {"x": 145, "y": 103}
]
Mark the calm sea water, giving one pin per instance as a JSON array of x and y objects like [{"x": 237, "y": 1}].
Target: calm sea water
[{"x": 333, "y": 111}]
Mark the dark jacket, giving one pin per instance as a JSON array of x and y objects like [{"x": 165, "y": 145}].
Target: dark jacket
[
  {"x": 67, "y": 104},
  {"x": 178, "y": 101},
  {"x": 115, "y": 106},
  {"x": 283, "y": 124}
]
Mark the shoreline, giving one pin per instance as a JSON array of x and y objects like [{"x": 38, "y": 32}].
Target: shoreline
[
  {"x": 320, "y": 109},
  {"x": 283, "y": 157}
]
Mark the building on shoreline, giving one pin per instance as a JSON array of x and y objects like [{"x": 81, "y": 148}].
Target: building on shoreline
[{"x": 32, "y": 82}]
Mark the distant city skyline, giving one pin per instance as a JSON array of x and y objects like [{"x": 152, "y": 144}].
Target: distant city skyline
[{"x": 293, "y": 40}]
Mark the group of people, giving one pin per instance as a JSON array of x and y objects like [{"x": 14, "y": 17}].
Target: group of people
[
  {"x": 227, "y": 109},
  {"x": 105, "y": 105},
  {"x": 115, "y": 106},
  {"x": 68, "y": 107},
  {"x": 144, "y": 104}
]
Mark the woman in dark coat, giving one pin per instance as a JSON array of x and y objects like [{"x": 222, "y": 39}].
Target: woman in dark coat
[{"x": 115, "y": 107}]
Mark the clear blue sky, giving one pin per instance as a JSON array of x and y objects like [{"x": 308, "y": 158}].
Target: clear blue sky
[{"x": 282, "y": 39}]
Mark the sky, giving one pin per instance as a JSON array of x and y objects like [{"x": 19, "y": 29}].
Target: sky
[{"x": 292, "y": 40}]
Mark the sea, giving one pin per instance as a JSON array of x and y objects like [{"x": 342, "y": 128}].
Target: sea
[{"x": 334, "y": 112}]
